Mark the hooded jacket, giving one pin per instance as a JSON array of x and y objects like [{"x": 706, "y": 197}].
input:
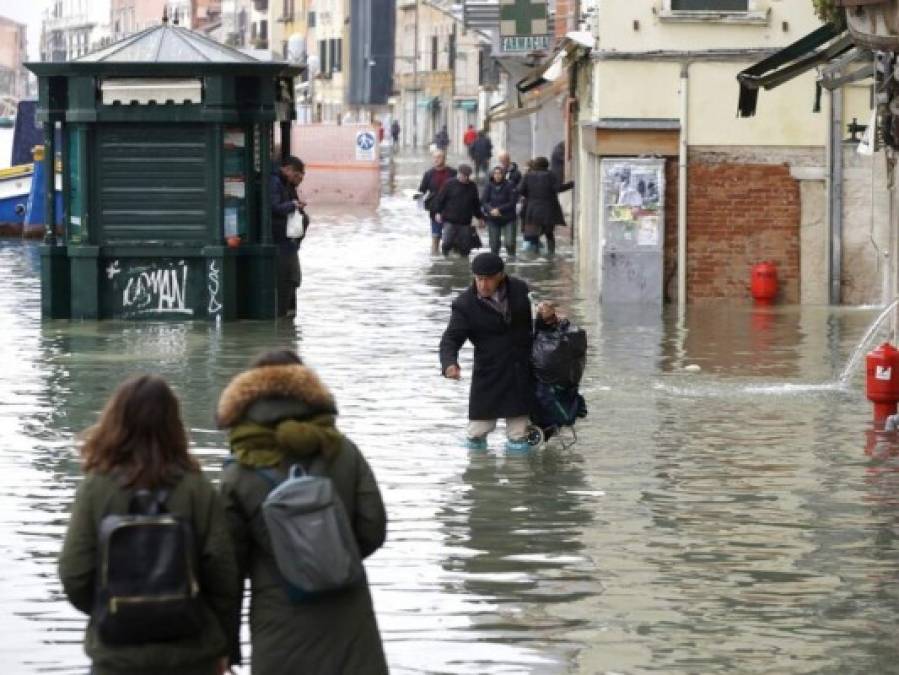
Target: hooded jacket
[{"x": 278, "y": 416}]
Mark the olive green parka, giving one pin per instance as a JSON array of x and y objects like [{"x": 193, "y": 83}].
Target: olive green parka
[
  {"x": 278, "y": 416},
  {"x": 193, "y": 498}
]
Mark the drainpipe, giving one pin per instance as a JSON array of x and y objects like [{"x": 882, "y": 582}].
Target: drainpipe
[
  {"x": 835, "y": 196},
  {"x": 682, "y": 189}
]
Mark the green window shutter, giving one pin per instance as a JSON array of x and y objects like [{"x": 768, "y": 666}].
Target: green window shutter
[{"x": 152, "y": 183}]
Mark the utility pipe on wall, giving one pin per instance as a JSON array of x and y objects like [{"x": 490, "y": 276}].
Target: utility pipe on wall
[{"x": 682, "y": 189}]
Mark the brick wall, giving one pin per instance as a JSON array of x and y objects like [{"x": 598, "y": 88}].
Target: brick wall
[{"x": 737, "y": 215}]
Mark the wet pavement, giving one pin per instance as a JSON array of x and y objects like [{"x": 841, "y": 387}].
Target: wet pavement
[{"x": 729, "y": 520}]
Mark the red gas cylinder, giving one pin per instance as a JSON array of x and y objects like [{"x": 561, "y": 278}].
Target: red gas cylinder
[
  {"x": 764, "y": 282},
  {"x": 882, "y": 380}
]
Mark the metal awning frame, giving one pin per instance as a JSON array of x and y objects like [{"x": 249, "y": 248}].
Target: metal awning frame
[{"x": 790, "y": 62}]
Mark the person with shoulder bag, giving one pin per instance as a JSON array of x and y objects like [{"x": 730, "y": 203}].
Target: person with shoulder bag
[
  {"x": 304, "y": 510},
  {"x": 147, "y": 553}
]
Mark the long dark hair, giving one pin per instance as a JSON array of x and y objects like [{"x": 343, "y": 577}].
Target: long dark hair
[{"x": 140, "y": 434}]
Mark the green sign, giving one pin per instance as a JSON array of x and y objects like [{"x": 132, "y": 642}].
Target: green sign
[
  {"x": 523, "y": 43},
  {"x": 522, "y": 17}
]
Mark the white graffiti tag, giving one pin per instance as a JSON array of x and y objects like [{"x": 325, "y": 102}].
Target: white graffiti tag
[
  {"x": 215, "y": 305},
  {"x": 157, "y": 291}
]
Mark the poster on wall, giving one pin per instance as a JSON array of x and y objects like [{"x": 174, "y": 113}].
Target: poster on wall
[{"x": 633, "y": 196}]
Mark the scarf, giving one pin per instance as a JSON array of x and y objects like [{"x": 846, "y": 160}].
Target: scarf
[{"x": 257, "y": 445}]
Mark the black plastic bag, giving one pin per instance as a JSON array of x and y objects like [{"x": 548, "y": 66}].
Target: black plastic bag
[{"x": 560, "y": 354}]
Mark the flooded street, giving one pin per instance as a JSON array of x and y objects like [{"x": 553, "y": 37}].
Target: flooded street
[{"x": 715, "y": 522}]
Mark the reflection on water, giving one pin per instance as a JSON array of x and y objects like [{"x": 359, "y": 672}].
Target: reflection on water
[{"x": 738, "y": 519}]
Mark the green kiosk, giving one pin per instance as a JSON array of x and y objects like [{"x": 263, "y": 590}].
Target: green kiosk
[{"x": 167, "y": 140}]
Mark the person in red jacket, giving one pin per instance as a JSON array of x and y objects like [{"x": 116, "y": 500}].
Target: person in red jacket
[{"x": 469, "y": 138}]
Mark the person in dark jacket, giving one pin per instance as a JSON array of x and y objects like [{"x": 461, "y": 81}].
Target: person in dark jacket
[
  {"x": 542, "y": 211},
  {"x": 395, "y": 133},
  {"x": 455, "y": 207},
  {"x": 279, "y": 413},
  {"x": 139, "y": 443},
  {"x": 481, "y": 152},
  {"x": 285, "y": 201},
  {"x": 557, "y": 167},
  {"x": 442, "y": 139},
  {"x": 494, "y": 314},
  {"x": 498, "y": 203},
  {"x": 432, "y": 182},
  {"x": 510, "y": 169}
]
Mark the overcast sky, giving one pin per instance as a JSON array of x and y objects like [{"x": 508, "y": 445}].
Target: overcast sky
[{"x": 29, "y": 13}]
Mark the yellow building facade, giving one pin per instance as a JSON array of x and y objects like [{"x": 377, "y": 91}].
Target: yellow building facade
[{"x": 662, "y": 82}]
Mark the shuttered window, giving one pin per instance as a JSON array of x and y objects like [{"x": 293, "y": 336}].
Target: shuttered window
[
  {"x": 710, "y": 5},
  {"x": 153, "y": 183}
]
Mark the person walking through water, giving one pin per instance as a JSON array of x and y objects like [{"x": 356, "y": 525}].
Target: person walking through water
[
  {"x": 278, "y": 413},
  {"x": 481, "y": 152},
  {"x": 442, "y": 139},
  {"x": 455, "y": 207},
  {"x": 494, "y": 314},
  {"x": 432, "y": 182},
  {"x": 285, "y": 199},
  {"x": 395, "y": 133},
  {"x": 542, "y": 210},
  {"x": 498, "y": 203},
  {"x": 135, "y": 456}
]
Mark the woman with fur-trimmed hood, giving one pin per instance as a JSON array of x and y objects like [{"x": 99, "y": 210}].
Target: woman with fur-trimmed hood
[{"x": 279, "y": 413}]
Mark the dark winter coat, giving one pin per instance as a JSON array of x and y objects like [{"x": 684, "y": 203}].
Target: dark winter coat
[
  {"x": 513, "y": 175},
  {"x": 432, "y": 182},
  {"x": 500, "y": 196},
  {"x": 501, "y": 384},
  {"x": 283, "y": 196},
  {"x": 458, "y": 202},
  {"x": 193, "y": 498},
  {"x": 338, "y": 632},
  {"x": 542, "y": 210},
  {"x": 481, "y": 149}
]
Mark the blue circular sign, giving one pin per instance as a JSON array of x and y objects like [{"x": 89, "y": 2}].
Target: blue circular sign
[{"x": 365, "y": 140}]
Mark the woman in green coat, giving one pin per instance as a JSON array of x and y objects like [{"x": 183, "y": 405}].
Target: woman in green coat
[
  {"x": 279, "y": 413},
  {"x": 139, "y": 443}
]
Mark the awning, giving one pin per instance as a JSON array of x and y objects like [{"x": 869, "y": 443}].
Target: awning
[
  {"x": 790, "y": 62},
  {"x": 466, "y": 104},
  {"x": 558, "y": 65},
  {"x": 537, "y": 99},
  {"x": 428, "y": 102}
]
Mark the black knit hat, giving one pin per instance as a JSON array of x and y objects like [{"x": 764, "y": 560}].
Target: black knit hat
[{"x": 486, "y": 264}]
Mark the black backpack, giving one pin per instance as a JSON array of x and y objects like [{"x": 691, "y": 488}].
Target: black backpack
[{"x": 147, "y": 588}]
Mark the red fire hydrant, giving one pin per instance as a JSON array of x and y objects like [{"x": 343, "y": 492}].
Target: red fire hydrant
[
  {"x": 764, "y": 282},
  {"x": 882, "y": 380}
]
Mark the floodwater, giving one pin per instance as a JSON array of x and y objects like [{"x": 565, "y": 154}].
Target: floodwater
[{"x": 739, "y": 519}]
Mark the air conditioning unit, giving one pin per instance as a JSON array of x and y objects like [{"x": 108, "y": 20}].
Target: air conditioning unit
[{"x": 874, "y": 24}]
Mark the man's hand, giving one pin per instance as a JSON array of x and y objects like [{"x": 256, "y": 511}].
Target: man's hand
[
  {"x": 494, "y": 212},
  {"x": 453, "y": 372},
  {"x": 438, "y": 218}
]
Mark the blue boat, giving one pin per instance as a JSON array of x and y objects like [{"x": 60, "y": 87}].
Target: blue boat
[{"x": 15, "y": 186}]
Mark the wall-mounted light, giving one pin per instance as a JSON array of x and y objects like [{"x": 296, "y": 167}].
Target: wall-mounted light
[
  {"x": 636, "y": 24},
  {"x": 785, "y": 25}
]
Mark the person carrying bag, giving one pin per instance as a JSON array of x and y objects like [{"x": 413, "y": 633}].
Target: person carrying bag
[{"x": 147, "y": 554}]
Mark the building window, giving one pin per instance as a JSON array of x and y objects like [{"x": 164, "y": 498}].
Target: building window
[
  {"x": 435, "y": 46},
  {"x": 451, "y": 50},
  {"x": 336, "y": 48},
  {"x": 323, "y": 57},
  {"x": 710, "y": 5}
]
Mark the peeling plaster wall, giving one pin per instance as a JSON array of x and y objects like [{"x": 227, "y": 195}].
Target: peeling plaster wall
[{"x": 866, "y": 228}]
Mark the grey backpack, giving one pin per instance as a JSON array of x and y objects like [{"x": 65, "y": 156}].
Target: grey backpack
[{"x": 311, "y": 536}]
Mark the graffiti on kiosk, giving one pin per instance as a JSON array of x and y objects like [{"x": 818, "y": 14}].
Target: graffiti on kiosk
[
  {"x": 150, "y": 289},
  {"x": 215, "y": 305}
]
